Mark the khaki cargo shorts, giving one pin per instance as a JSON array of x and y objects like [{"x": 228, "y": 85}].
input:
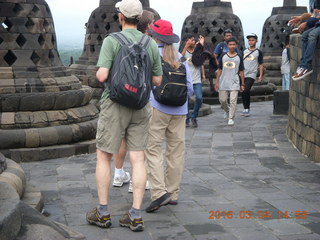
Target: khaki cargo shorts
[{"x": 117, "y": 122}]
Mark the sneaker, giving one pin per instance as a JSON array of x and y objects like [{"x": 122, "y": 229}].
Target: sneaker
[
  {"x": 230, "y": 122},
  {"x": 136, "y": 225},
  {"x": 187, "y": 124},
  {"x": 130, "y": 189},
  {"x": 118, "y": 181},
  {"x": 303, "y": 73},
  {"x": 247, "y": 114},
  {"x": 194, "y": 122},
  {"x": 156, "y": 204},
  {"x": 93, "y": 217},
  {"x": 244, "y": 112},
  {"x": 226, "y": 115}
]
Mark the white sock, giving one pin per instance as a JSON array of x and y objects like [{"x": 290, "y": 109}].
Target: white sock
[{"x": 119, "y": 172}]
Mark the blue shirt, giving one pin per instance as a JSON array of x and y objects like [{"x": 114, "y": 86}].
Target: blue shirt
[{"x": 181, "y": 110}]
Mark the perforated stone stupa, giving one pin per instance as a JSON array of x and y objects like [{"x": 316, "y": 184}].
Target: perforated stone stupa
[
  {"x": 44, "y": 110},
  {"x": 103, "y": 21},
  {"x": 210, "y": 18},
  {"x": 274, "y": 33}
]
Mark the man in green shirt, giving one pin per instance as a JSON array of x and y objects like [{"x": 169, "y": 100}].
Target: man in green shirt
[{"x": 117, "y": 122}]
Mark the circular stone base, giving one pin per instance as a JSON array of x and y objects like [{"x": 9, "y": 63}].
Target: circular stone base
[{"x": 50, "y": 152}]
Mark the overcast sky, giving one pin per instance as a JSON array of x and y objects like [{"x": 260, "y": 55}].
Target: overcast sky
[{"x": 70, "y": 16}]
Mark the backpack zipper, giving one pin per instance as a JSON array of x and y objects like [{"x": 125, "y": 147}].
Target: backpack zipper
[
  {"x": 180, "y": 84},
  {"x": 177, "y": 73}
]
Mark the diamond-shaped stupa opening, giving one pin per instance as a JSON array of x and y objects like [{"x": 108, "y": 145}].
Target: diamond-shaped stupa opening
[
  {"x": 115, "y": 17},
  {"x": 17, "y": 8},
  {"x": 220, "y": 31},
  {"x": 7, "y": 24},
  {"x": 41, "y": 40},
  {"x": 107, "y": 27},
  {"x": 1, "y": 40},
  {"x": 21, "y": 40},
  {"x": 35, "y": 58},
  {"x": 10, "y": 58},
  {"x": 213, "y": 40},
  {"x": 46, "y": 25},
  {"x": 35, "y": 9},
  {"x": 29, "y": 24},
  {"x": 104, "y": 16},
  {"x": 99, "y": 39},
  {"x": 214, "y": 22}
]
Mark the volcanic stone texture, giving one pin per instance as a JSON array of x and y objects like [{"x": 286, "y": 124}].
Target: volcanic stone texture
[
  {"x": 304, "y": 105},
  {"x": 41, "y": 103},
  {"x": 274, "y": 34}
]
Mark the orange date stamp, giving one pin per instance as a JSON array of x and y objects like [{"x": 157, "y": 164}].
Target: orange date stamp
[{"x": 246, "y": 214}]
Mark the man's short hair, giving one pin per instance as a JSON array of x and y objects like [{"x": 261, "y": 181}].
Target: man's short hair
[
  {"x": 227, "y": 31},
  {"x": 232, "y": 40},
  {"x": 131, "y": 21},
  {"x": 146, "y": 19},
  {"x": 187, "y": 36}
]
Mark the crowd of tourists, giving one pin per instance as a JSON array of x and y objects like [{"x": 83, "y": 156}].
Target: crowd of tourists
[{"x": 145, "y": 103}]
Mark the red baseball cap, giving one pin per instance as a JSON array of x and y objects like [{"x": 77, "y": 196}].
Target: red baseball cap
[{"x": 162, "y": 30}]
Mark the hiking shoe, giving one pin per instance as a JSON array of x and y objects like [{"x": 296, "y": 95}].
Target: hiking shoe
[
  {"x": 136, "y": 225},
  {"x": 194, "y": 122},
  {"x": 118, "y": 181},
  {"x": 226, "y": 115},
  {"x": 156, "y": 204},
  {"x": 230, "y": 122},
  {"x": 303, "y": 73},
  {"x": 130, "y": 189},
  {"x": 93, "y": 217}
]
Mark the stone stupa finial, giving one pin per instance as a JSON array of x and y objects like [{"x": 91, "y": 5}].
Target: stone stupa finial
[{"x": 289, "y": 3}]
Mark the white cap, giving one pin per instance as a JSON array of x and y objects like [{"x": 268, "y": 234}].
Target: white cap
[{"x": 130, "y": 8}]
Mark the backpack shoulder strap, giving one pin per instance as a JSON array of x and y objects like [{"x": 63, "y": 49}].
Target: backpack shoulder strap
[
  {"x": 144, "y": 41},
  {"x": 122, "y": 39}
]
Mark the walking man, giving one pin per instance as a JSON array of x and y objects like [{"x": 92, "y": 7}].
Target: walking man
[
  {"x": 227, "y": 82},
  {"x": 117, "y": 121},
  {"x": 252, "y": 59}
]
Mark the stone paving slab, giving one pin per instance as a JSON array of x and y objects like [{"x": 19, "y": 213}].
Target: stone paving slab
[{"x": 250, "y": 170}]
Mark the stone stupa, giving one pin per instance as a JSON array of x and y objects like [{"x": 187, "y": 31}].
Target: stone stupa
[
  {"x": 210, "y": 18},
  {"x": 274, "y": 33},
  {"x": 45, "y": 112},
  {"x": 102, "y": 21}
]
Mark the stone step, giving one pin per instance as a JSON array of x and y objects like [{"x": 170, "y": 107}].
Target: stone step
[
  {"x": 50, "y": 152},
  {"x": 33, "y": 197}
]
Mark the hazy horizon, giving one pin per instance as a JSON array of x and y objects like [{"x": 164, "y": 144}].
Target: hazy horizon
[{"x": 70, "y": 16}]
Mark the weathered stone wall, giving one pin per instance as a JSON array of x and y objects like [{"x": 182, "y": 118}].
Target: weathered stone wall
[{"x": 304, "y": 104}]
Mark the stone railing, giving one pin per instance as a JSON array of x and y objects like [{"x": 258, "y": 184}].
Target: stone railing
[{"x": 304, "y": 104}]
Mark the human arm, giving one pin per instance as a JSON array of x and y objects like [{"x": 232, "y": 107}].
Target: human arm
[
  {"x": 186, "y": 46},
  {"x": 241, "y": 73},
  {"x": 102, "y": 74},
  {"x": 189, "y": 80},
  {"x": 261, "y": 69},
  {"x": 203, "y": 74},
  {"x": 156, "y": 80},
  {"x": 216, "y": 85}
]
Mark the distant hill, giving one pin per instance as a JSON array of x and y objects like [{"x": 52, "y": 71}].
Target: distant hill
[{"x": 66, "y": 54}]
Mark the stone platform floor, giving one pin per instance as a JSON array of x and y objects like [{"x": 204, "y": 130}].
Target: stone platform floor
[{"x": 250, "y": 169}]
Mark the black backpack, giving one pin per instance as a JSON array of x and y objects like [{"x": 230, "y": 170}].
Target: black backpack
[
  {"x": 130, "y": 82},
  {"x": 173, "y": 90}
]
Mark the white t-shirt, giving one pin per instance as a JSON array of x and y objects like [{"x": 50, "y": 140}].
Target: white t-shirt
[{"x": 194, "y": 71}]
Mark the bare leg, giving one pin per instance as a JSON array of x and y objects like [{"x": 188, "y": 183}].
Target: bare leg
[
  {"x": 103, "y": 175},
  {"x": 120, "y": 156},
  {"x": 139, "y": 177}
]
